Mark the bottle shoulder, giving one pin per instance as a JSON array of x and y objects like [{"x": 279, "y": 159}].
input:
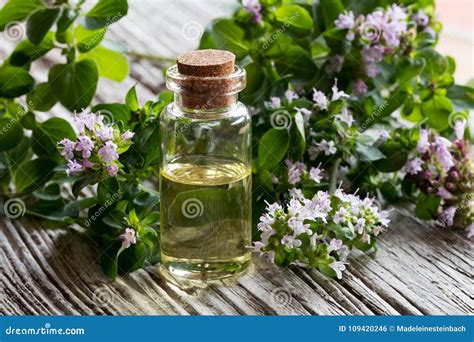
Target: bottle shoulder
[{"x": 237, "y": 112}]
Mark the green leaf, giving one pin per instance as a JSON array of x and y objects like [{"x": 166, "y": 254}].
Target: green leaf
[
  {"x": 11, "y": 133},
  {"x": 131, "y": 99},
  {"x": 462, "y": 94},
  {"x": 108, "y": 191},
  {"x": 295, "y": 17},
  {"x": 368, "y": 152},
  {"x": 113, "y": 111},
  {"x": 276, "y": 47},
  {"x": 437, "y": 110},
  {"x": 427, "y": 206},
  {"x": 15, "y": 82},
  {"x": 112, "y": 64},
  {"x": 17, "y": 10},
  {"x": 19, "y": 153},
  {"x": 26, "y": 52},
  {"x": 46, "y": 136},
  {"x": 407, "y": 69},
  {"x": 106, "y": 12},
  {"x": 229, "y": 36},
  {"x": 109, "y": 259},
  {"x": 331, "y": 10},
  {"x": 395, "y": 157},
  {"x": 389, "y": 106},
  {"x": 319, "y": 48},
  {"x": 304, "y": 69},
  {"x": 265, "y": 179},
  {"x": 86, "y": 39},
  {"x": 272, "y": 148},
  {"x": 74, "y": 84},
  {"x": 297, "y": 137},
  {"x": 41, "y": 98},
  {"x": 132, "y": 258},
  {"x": 39, "y": 23},
  {"x": 66, "y": 20},
  {"x": 436, "y": 64},
  {"x": 32, "y": 174}
]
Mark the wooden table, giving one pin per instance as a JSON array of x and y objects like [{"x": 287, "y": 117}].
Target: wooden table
[{"x": 419, "y": 269}]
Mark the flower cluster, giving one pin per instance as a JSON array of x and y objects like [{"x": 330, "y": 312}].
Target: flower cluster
[
  {"x": 254, "y": 8},
  {"x": 319, "y": 232},
  {"x": 97, "y": 147},
  {"x": 297, "y": 172},
  {"x": 443, "y": 168},
  {"x": 377, "y": 35}
]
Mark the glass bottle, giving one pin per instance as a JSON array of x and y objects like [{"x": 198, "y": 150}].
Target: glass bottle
[{"x": 205, "y": 171}]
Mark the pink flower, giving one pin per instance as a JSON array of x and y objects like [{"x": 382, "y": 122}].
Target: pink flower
[
  {"x": 68, "y": 148},
  {"x": 305, "y": 112},
  {"x": 327, "y": 147},
  {"x": 253, "y": 7},
  {"x": 440, "y": 149},
  {"x": 413, "y": 166},
  {"x": 421, "y": 18},
  {"x": 105, "y": 133},
  {"x": 336, "y": 93},
  {"x": 444, "y": 194},
  {"x": 128, "y": 238},
  {"x": 274, "y": 103},
  {"x": 470, "y": 231},
  {"x": 346, "y": 117},
  {"x": 86, "y": 164},
  {"x": 335, "y": 245},
  {"x": 447, "y": 216},
  {"x": 459, "y": 128},
  {"x": 371, "y": 70},
  {"x": 108, "y": 153},
  {"x": 359, "y": 88},
  {"x": 290, "y": 95},
  {"x": 423, "y": 142},
  {"x": 290, "y": 241},
  {"x": 334, "y": 64},
  {"x": 316, "y": 174},
  {"x": 338, "y": 267},
  {"x": 84, "y": 144},
  {"x": 373, "y": 54},
  {"x": 73, "y": 167},
  {"x": 345, "y": 21},
  {"x": 112, "y": 170},
  {"x": 295, "y": 170},
  {"x": 127, "y": 135},
  {"x": 320, "y": 100}
]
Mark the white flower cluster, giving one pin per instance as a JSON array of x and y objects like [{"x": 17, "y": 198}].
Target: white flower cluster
[{"x": 320, "y": 231}]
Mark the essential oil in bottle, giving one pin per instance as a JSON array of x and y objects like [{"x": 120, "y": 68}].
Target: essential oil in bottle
[{"x": 205, "y": 173}]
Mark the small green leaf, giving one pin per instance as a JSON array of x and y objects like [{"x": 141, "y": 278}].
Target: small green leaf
[
  {"x": 26, "y": 52},
  {"x": 17, "y": 10},
  {"x": 272, "y": 148},
  {"x": 33, "y": 174},
  {"x": 437, "y": 110},
  {"x": 74, "y": 84},
  {"x": 112, "y": 64},
  {"x": 15, "y": 82},
  {"x": 109, "y": 259},
  {"x": 118, "y": 111},
  {"x": 39, "y": 23},
  {"x": 41, "y": 98},
  {"x": 11, "y": 133},
  {"x": 66, "y": 19},
  {"x": 295, "y": 17},
  {"x": 427, "y": 206},
  {"x": 132, "y": 258},
  {"x": 108, "y": 191},
  {"x": 106, "y": 12},
  {"x": 86, "y": 39},
  {"x": 229, "y": 36},
  {"x": 368, "y": 152},
  {"x": 331, "y": 10},
  {"x": 131, "y": 99},
  {"x": 46, "y": 136},
  {"x": 395, "y": 157}
]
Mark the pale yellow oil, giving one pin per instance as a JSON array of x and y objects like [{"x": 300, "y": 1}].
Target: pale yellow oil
[{"x": 205, "y": 217}]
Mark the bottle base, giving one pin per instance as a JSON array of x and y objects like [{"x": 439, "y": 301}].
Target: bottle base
[{"x": 205, "y": 270}]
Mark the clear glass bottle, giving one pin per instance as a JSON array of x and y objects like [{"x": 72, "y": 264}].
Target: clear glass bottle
[{"x": 205, "y": 175}]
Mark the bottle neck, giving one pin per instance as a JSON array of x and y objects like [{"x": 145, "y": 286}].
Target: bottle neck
[{"x": 193, "y": 103}]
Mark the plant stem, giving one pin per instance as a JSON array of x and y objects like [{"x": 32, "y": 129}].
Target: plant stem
[
  {"x": 150, "y": 57},
  {"x": 334, "y": 174}
]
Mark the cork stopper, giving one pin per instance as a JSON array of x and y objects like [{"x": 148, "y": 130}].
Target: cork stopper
[
  {"x": 206, "y": 79},
  {"x": 206, "y": 63}
]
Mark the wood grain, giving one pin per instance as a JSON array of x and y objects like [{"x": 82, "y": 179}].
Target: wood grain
[{"x": 420, "y": 269}]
